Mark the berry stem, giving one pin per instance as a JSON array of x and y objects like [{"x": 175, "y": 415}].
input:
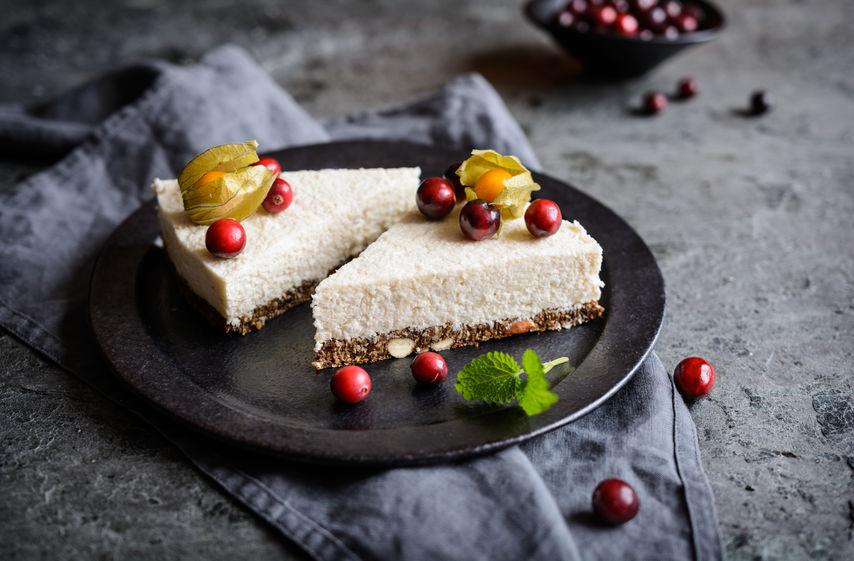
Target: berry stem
[{"x": 552, "y": 363}]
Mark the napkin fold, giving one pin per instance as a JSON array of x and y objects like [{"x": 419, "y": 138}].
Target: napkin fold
[{"x": 114, "y": 134}]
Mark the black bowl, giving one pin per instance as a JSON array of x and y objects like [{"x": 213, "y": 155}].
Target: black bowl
[{"x": 616, "y": 56}]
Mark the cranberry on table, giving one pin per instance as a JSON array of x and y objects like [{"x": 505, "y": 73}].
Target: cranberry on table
[
  {"x": 225, "y": 238},
  {"x": 687, "y": 88},
  {"x": 694, "y": 377},
  {"x": 543, "y": 218},
  {"x": 479, "y": 220},
  {"x": 351, "y": 384},
  {"x": 436, "y": 197},
  {"x": 271, "y": 164},
  {"x": 429, "y": 368},
  {"x": 451, "y": 175},
  {"x": 626, "y": 25},
  {"x": 615, "y": 501},
  {"x": 760, "y": 102},
  {"x": 279, "y": 197},
  {"x": 654, "y": 102}
]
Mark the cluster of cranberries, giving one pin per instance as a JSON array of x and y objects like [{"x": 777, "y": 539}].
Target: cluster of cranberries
[
  {"x": 644, "y": 19},
  {"x": 352, "y": 384},
  {"x": 479, "y": 218},
  {"x": 655, "y": 102},
  {"x": 226, "y": 237}
]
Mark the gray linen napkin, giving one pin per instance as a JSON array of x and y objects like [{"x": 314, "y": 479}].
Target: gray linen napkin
[{"x": 527, "y": 502}]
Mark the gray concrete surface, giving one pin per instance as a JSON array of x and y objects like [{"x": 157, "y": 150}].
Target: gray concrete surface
[{"x": 751, "y": 221}]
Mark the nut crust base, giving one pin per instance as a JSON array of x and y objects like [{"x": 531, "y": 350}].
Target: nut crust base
[
  {"x": 259, "y": 316},
  {"x": 336, "y": 352}
]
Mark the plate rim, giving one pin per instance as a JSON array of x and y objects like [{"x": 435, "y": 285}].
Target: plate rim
[{"x": 106, "y": 296}]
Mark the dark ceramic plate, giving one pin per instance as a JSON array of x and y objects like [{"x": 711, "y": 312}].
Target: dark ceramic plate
[{"x": 260, "y": 391}]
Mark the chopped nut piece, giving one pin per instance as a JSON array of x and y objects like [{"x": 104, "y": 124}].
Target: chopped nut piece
[
  {"x": 443, "y": 344},
  {"x": 399, "y": 348}
]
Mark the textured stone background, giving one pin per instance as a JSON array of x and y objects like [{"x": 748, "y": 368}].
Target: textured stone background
[{"x": 751, "y": 221}]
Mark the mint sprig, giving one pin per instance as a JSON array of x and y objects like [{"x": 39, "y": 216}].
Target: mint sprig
[{"x": 496, "y": 377}]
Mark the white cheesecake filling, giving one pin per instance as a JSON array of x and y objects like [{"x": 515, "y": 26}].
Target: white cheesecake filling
[
  {"x": 422, "y": 274},
  {"x": 335, "y": 214}
]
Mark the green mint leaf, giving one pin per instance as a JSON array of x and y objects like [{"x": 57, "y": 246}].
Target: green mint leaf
[
  {"x": 493, "y": 377},
  {"x": 534, "y": 396}
]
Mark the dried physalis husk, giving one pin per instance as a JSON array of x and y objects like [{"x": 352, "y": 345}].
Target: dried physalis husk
[
  {"x": 221, "y": 182},
  {"x": 515, "y": 195}
]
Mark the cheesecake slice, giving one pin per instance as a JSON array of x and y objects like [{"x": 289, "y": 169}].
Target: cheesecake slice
[
  {"x": 335, "y": 214},
  {"x": 423, "y": 286}
]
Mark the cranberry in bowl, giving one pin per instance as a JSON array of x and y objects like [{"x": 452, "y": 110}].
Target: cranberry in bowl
[{"x": 625, "y": 39}]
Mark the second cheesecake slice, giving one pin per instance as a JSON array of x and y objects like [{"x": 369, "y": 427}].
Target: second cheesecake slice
[{"x": 423, "y": 286}]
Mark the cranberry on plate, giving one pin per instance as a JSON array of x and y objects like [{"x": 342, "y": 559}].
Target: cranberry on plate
[
  {"x": 429, "y": 368},
  {"x": 451, "y": 175},
  {"x": 279, "y": 197},
  {"x": 543, "y": 218},
  {"x": 225, "y": 238},
  {"x": 694, "y": 377},
  {"x": 436, "y": 197},
  {"x": 479, "y": 220},
  {"x": 271, "y": 164},
  {"x": 351, "y": 384},
  {"x": 615, "y": 501}
]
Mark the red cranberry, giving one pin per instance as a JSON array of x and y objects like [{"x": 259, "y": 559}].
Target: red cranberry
[
  {"x": 627, "y": 25},
  {"x": 351, "y": 384},
  {"x": 694, "y": 377},
  {"x": 654, "y": 102},
  {"x": 451, "y": 175},
  {"x": 687, "y": 87},
  {"x": 543, "y": 218},
  {"x": 671, "y": 32},
  {"x": 656, "y": 20},
  {"x": 429, "y": 368},
  {"x": 271, "y": 164},
  {"x": 673, "y": 8},
  {"x": 646, "y": 35},
  {"x": 577, "y": 7},
  {"x": 279, "y": 197},
  {"x": 615, "y": 501},
  {"x": 436, "y": 197},
  {"x": 760, "y": 102},
  {"x": 564, "y": 19},
  {"x": 622, "y": 6},
  {"x": 694, "y": 11},
  {"x": 225, "y": 238},
  {"x": 604, "y": 16},
  {"x": 643, "y": 5},
  {"x": 686, "y": 23},
  {"x": 479, "y": 220}
]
